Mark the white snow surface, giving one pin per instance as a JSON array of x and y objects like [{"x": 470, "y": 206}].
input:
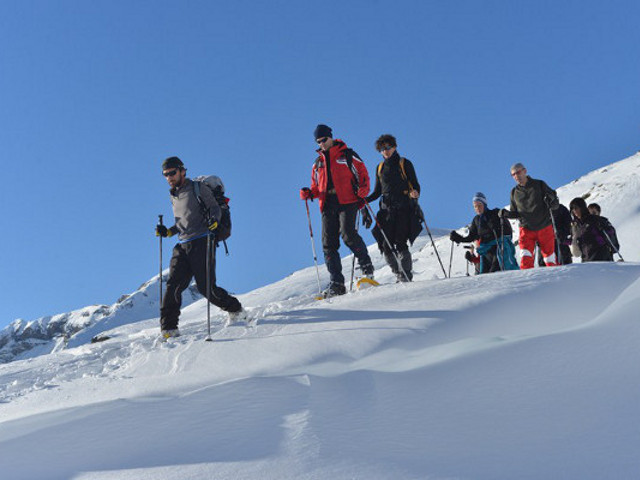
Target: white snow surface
[{"x": 516, "y": 375}]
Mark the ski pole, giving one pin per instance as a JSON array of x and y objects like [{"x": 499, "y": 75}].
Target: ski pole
[
  {"x": 160, "y": 274},
  {"x": 384, "y": 235},
  {"x": 313, "y": 247},
  {"x": 451, "y": 258},
  {"x": 208, "y": 286},
  {"x": 353, "y": 261},
  {"x": 502, "y": 240},
  {"x": 421, "y": 215},
  {"x": 555, "y": 235},
  {"x": 612, "y": 245}
]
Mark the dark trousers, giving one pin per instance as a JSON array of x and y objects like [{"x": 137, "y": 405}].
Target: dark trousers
[
  {"x": 405, "y": 263},
  {"x": 564, "y": 256},
  {"x": 188, "y": 261},
  {"x": 491, "y": 262},
  {"x": 340, "y": 220},
  {"x": 396, "y": 224}
]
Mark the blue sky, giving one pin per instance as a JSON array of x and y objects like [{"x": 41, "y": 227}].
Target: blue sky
[{"x": 96, "y": 94}]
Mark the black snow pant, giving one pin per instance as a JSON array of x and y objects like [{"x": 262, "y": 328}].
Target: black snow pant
[
  {"x": 188, "y": 261},
  {"x": 491, "y": 262},
  {"x": 396, "y": 224},
  {"x": 340, "y": 220}
]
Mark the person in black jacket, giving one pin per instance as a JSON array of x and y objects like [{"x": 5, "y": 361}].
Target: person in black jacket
[
  {"x": 493, "y": 234},
  {"x": 594, "y": 238},
  {"x": 398, "y": 189}
]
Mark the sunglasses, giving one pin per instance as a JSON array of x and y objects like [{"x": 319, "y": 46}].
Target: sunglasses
[
  {"x": 320, "y": 141},
  {"x": 517, "y": 172},
  {"x": 385, "y": 148},
  {"x": 170, "y": 173}
]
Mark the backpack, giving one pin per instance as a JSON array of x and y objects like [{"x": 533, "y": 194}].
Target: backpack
[
  {"x": 214, "y": 183},
  {"x": 403, "y": 173}
]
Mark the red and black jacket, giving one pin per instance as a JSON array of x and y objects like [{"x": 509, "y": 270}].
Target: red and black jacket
[{"x": 348, "y": 173}]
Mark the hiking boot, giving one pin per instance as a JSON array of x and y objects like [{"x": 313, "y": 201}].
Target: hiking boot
[
  {"x": 166, "y": 334},
  {"x": 235, "y": 317},
  {"x": 367, "y": 270},
  {"x": 400, "y": 278},
  {"x": 334, "y": 289}
]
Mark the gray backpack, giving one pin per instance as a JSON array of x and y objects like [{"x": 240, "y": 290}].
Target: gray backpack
[{"x": 214, "y": 183}]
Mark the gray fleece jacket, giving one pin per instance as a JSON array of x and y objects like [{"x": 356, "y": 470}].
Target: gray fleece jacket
[{"x": 190, "y": 222}]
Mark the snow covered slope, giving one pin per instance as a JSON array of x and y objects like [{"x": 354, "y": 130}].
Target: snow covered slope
[
  {"x": 614, "y": 187},
  {"x": 525, "y": 375}
]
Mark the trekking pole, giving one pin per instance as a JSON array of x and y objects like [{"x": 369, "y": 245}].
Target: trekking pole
[
  {"x": 421, "y": 215},
  {"x": 502, "y": 240},
  {"x": 313, "y": 247},
  {"x": 160, "y": 274},
  {"x": 391, "y": 247},
  {"x": 353, "y": 261},
  {"x": 612, "y": 245},
  {"x": 555, "y": 235},
  {"x": 451, "y": 258},
  {"x": 208, "y": 285}
]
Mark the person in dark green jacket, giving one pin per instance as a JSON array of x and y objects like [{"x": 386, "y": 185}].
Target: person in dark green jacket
[{"x": 531, "y": 203}]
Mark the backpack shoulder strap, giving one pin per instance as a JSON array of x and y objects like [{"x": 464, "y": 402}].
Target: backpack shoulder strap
[
  {"x": 404, "y": 173},
  {"x": 203, "y": 208},
  {"x": 348, "y": 155}
]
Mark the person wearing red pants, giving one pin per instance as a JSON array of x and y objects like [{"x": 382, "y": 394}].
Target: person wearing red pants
[{"x": 531, "y": 202}]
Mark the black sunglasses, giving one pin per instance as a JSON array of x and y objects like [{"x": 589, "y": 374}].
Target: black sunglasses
[
  {"x": 170, "y": 173},
  {"x": 385, "y": 148},
  {"x": 320, "y": 141}
]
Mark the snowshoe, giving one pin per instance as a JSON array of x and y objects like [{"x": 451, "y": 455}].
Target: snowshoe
[
  {"x": 333, "y": 290},
  {"x": 236, "y": 317},
  {"x": 366, "y": 282},
  {"x": 167, "y": 334}
]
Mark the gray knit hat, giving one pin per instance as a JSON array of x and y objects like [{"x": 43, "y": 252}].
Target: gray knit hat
[{"x": 479, "y": 197}]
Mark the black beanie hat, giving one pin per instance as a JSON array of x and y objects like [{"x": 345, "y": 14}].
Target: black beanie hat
[
  {"x": 322, "y": 131},
  {"x": 172, "y": 162}
]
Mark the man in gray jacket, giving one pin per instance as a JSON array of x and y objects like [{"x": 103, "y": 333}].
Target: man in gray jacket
[{"x": 194, "y": 222}]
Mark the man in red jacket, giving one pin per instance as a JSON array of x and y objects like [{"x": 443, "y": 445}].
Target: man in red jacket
[{"x": 340, "y": 182}]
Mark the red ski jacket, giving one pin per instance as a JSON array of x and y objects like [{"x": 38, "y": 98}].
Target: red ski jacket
[{"x": 351, "y": 182}]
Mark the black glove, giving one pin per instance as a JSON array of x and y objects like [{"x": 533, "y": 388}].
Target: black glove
[
  {"x": 455, "y": 236},
  {"x": 468, "y": 256},
  {"x": 504, "y": 213},
  {"x": 162, "y": 231},
  {"x": 552, "y": 202},
  {"x": 366, "y": 218}
]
